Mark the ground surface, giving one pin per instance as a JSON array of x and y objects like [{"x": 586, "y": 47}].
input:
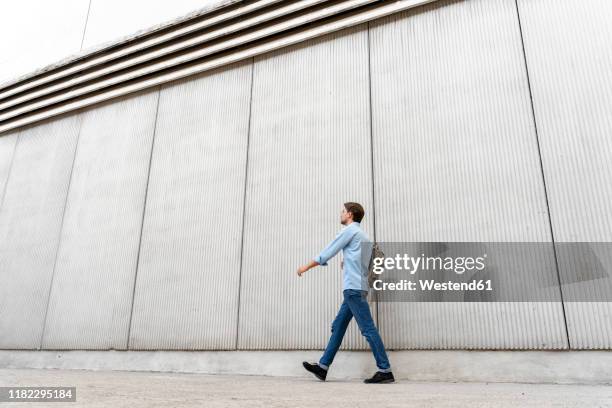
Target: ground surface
[{"x": 145, "y": 389}]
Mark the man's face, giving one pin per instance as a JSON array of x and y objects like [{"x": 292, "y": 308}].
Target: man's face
[{"x": 345, "y": 216}]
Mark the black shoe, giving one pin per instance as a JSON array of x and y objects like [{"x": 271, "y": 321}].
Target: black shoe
[
  {"x": 380, "y": 378},
  {"x": 317, "y": 370}
]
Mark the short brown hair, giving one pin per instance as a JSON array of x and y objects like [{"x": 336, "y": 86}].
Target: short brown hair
[{"x": 356, "y": 209}]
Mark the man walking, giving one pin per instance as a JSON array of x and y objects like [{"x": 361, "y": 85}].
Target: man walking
[{"x": 355, "y": 292}]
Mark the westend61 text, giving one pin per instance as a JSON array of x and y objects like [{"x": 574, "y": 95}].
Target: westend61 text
[{"x": 431, "y": 285}]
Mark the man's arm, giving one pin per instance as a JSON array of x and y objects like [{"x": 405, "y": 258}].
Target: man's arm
[{"x": 341, "y": 240}]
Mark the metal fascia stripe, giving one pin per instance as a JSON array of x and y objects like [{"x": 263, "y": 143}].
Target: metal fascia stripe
[{"x": 313, "y": 32}]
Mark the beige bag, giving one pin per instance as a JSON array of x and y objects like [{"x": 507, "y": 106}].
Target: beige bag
[{"x": 376, "y": 253}]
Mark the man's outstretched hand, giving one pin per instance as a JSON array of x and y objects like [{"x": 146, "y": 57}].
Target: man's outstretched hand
[{"x": 302, "y": 269}]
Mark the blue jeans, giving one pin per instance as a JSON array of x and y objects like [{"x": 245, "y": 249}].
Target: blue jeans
[{"x": 355, "y": 304}]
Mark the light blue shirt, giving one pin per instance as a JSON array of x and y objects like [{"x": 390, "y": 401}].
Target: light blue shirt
[{"x": 351, "y": 240}]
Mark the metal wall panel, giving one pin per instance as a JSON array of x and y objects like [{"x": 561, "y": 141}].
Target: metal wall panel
[
  {"x": 30, "y": 223},
  {"x": 91, "y": 295},
  {"x": 569, "y": 55},
  {"x": 309, "y": 152},
  {"x": 7, "y": 148},
  {"x": 187, "y": 281},
  {"x": 456, "y": 159}
]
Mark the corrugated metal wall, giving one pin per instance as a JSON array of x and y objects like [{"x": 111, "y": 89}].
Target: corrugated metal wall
[
  {"x": 7, "y": 148},
  {"x": 91, "y": 296},
  {"x": 187, "y": 283},
  {"x": 456, "y": 159},
  {"x": 30, "y": 224},
  {"x": 569, "y": 55},
  {"x": 237, "y": 176},
  {"x": 309, "y": 152}
]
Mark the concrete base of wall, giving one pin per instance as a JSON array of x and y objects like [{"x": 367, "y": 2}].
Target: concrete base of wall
[{"x": 559, "y": 367}]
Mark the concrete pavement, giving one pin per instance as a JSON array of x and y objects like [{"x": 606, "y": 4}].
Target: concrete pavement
[{"x": 148, "y": 389}]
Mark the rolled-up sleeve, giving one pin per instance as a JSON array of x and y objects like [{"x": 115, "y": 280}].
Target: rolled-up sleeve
[{"x": 341, "y": 240}]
